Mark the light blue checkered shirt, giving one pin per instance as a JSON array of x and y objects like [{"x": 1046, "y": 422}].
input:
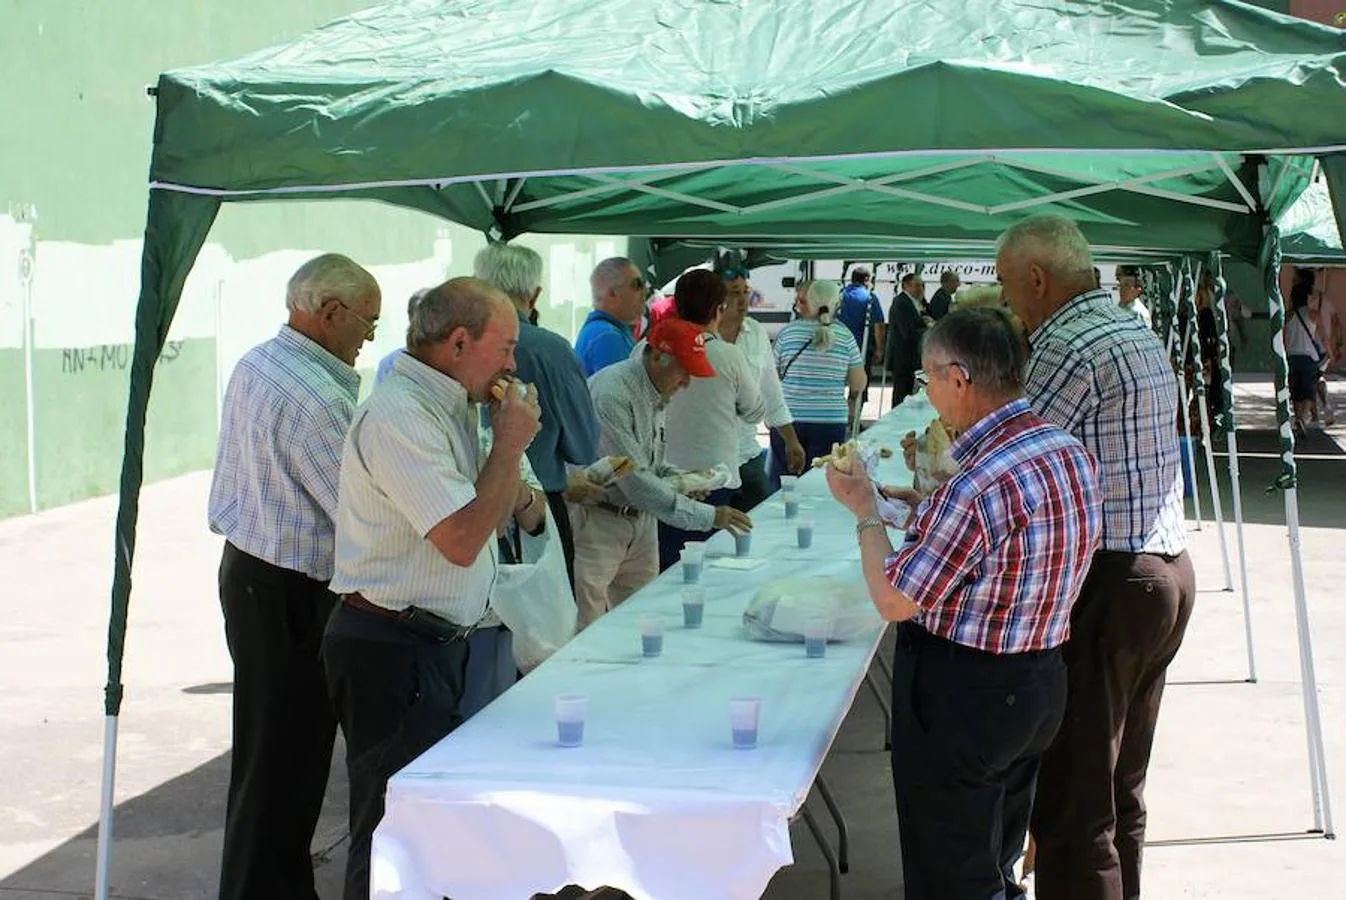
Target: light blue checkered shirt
[{"x": 274, "y": 492}]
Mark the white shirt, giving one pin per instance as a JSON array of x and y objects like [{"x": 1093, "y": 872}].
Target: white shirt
[
  {"x": 1142, "y": 311},
  {"x": 703, "y": 419},
  {"x": 756, "y": 346},
  {"x": 411, "y": 460},
  {"x": 1299, "y": 334}
]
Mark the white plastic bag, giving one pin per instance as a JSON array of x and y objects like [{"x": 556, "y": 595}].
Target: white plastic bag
[
  {"x": 533, "y": 598},
  {"x": 781, "y": 609}
]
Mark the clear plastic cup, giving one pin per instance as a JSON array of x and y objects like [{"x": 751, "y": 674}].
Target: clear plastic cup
[
  {"x": 693, "y": 607},
  {"x": 816, "y": 634},
  {"x": 570, "y": 714},
  {"x": 651, "y": 636},
  {"x": 804, "y": 534},
  {"x": 788, "y": 483},
  {"x": 791, "y": 506},
  {"x": 743, "y": 544},
  {"x": 693, "y": 560},
  {"x": 743, "y": 716}
]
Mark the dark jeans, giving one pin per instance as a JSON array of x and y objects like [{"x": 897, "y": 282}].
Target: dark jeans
[
  {"x": 904, "y": 385},
  {"x": 283, "y": 727},
  {"x": 817, "y": 439},
  {"x": 561, "y": 516},
  {"x": 396, "y": 695},
  {"x": 672, "y": 540},
  {"x": 1126, "y": 627},
  {"x": 969, "y": 729},
  {"x": 755, "y": 488}
]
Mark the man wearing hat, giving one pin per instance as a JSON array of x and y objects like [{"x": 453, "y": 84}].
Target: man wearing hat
[{"x": 616, "y": 537}]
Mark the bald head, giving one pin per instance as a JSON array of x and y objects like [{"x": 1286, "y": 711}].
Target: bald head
[{"x": 1043, "y": 262}]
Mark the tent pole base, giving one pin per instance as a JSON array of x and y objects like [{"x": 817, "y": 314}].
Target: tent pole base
[{"x": 104, "y": 858}]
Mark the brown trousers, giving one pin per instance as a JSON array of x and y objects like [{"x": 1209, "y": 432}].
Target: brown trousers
[{"x": 1089, "y": 813}]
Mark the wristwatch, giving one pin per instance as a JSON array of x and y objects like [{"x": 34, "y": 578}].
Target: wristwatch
[{"x": 865, "y": 524}]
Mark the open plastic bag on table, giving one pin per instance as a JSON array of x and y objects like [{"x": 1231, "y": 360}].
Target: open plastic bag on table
[
  {"x": 533, "y": 599},
  {"x": 781, "y": 610}
]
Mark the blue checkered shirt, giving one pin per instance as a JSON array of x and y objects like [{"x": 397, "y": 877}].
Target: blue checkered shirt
[
  {"x": 274, "y": 492},
  {"x": 1098, "y": 372}
]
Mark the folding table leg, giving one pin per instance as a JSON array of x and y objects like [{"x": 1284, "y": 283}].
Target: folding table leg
[
  {"x": 833, "y": 870},
  {"x": 877, "y": 688},
  {"x": 843, "y": 833}
]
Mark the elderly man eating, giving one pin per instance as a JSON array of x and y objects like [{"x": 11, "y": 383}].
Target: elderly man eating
[{"x": 982, "y": 584}]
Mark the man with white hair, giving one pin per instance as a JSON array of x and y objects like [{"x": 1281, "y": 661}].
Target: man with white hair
[
  {"x": 569, "y": 432},
  {"x": 421, "y": 502},
  {"x": 1096, "y": 371},
  {"x": 607, "y": 335},
  {"x": 273, "y": 498},
  {"x": 1129, "y": 290}
]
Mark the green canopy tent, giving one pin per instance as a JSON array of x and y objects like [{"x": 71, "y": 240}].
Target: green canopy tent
[{"x": 1147, "y": 122}]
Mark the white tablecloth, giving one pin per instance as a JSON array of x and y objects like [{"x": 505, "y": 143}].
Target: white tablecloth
[{"x": 656, "y": 802}]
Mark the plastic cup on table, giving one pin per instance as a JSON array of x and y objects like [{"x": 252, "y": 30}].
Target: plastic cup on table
[
  {"x": 742, "y": 543},
  {"x": 791, "y": 505},
  {"x": 693, "y": 607},
  {"x": 816, "y": 633},
  {"x": 804, "y": 534},
  {"x": 743, "y": 716},
  {"x": 651, "y": 636},
  {"x": 787, "y": 484},
  {"x": 570, "y": 712},
  {"x": 693, "y": 558}
]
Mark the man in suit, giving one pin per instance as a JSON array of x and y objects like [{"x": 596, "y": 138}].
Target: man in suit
[
  {"x": 906, "y": 325},
  {"x": 943, "y": 299}
]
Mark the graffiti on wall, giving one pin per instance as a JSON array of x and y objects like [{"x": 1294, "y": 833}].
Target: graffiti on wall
[{"x": 108, "y": 357}]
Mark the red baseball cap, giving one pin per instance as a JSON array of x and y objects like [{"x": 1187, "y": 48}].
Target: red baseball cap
[{"x": 686, "y": 342}]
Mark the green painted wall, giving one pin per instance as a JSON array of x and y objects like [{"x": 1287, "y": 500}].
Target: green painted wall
[{"x": 13, "y": 435}]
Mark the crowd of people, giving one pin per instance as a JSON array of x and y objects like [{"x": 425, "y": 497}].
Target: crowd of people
[{"x": 1041, "y": 590}]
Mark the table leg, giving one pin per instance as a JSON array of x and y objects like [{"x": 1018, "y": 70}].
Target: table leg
[
  {"x": 877, "y": 688},
  {"x": 843, "y": 832},
  {"x": 833, "y": 870}
]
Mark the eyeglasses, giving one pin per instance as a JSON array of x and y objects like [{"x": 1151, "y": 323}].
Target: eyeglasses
[
  {"x": 923, "y": 379},
  {"x": 637, "y": 283},
  {"x": 736, "y": 272},
  {"x": 370, "y": 327}
]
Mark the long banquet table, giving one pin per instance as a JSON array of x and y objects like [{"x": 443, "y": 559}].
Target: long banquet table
[{"x": 656, "y": 802}]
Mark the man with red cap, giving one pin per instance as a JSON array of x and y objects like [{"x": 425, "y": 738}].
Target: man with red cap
[{"x": 616, "y": 537}]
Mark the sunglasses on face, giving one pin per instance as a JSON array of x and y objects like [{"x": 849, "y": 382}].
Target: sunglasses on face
[{"x": 736, "y": 272}]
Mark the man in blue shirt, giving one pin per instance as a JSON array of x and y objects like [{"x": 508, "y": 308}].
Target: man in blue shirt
[
  {"x": 857, "y": 302},
  {"x": 619, "y": 301},
  {"x": 569, "y": 429}
]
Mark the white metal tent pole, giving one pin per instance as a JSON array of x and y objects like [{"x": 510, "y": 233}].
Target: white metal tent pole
[
  {"x": 104, "y": 857},
  {"x": 1229, "y": 424},
  {"x": 1203, "y": 415},
  {"x": 1270, "y": 259}
]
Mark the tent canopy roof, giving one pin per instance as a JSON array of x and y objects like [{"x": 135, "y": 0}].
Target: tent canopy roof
[{"x": 786, "y": 117}]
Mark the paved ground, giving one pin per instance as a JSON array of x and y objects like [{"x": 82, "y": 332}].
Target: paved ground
[{"x": 1228, "y": 789}]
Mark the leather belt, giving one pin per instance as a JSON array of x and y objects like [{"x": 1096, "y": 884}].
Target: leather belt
[
  {"x": 359, "y": 602},
  {"x": 415, "y": 620},
  {"x": 626, "y": 512}
]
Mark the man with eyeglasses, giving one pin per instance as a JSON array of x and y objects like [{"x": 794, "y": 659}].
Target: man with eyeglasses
[
  {"x": 607, "y": 336},
  {"x": 273, "y": 498}
]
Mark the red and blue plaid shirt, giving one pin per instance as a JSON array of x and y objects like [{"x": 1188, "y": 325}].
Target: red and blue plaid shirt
[{"x": 997, "y": 555}]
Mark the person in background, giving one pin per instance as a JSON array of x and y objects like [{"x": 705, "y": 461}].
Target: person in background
[
  {"x": 1303, "y": 352},
  {"x": 704, "y": 420},
  {"x": 1097, "y": 372},
  {"x": 420, "y": 507},
  {"x": 606, "y": 336},
  {"x": 385, "y": 367},
  {"x": 616, "y": 537},
  {"x": 273, "y": 498},
  {"x": 662, "y": 308},
  {"x": 746, "y": 333},
  {"x": 1208, "y": 341},
  {"x": 569, "y": 429},
  {"x": 820, "y": 372},
  {"x": 942, "y": 302},
  {"x": 906, "y": 327},
  {"x": 858, "y": 303},
  {"x": 1129, "y": 290},
  {"x": 982, "y": 584}
]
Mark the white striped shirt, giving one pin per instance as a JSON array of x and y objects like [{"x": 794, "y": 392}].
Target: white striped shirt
[
  {"x": 273, "y": 494},
  {"x": 756, "y": 346},
  {"x": 411, "y": 460},
  {"x": 1096, "y": 371}
]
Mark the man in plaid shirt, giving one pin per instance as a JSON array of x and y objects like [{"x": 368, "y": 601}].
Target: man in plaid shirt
[
  {"x": 983, "y": 584},
  {"x": 1097, "y": 371}
]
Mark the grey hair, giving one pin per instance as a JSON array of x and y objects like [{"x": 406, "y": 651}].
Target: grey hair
[
  {"x": 986, "y": 342},
  {"x": 822, "y": 297},
  {"x": 462, "y": 302},
  {"x": 511, "y": 268},
  {"x": 327, "y": 277},
  {"x": 1053, "y": 242},
  {"x": 609, "y": 274}
]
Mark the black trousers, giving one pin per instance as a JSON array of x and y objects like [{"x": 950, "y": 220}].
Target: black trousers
[
  {"x": 904, "y": 384},
  {"x": 283, "y": 727},
  {"x": 556, "y": 501},
  {"x": 969, "y": 729},
  {"x": 817, "y": 439},
  {"x": 396, "y": 694},
  {"x": 755, "y": 486},
  {"x": 1089, "y": 822}
]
